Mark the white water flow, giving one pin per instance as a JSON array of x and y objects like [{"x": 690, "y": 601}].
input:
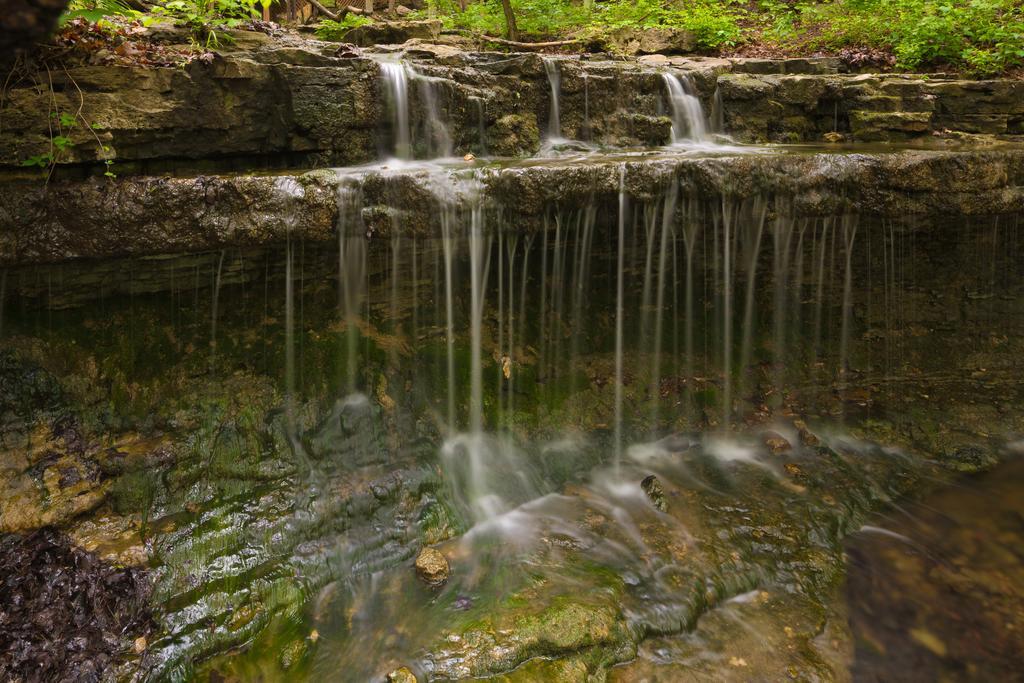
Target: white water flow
[
  {"x": 717, "y": 113},
  {"x": 430, "y": 135},
  {"x": 436, "y": 136},
  {"x": 619, "y": 312},
  {"x": 396, "y": 81},
  {"x": 555, "y": 82},
  {"x": 688, "y": 123}
]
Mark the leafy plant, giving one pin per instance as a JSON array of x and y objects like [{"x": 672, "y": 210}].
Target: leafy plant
[
  {"x": 984, "y": 37},
  {"x": 205, "y": 18},
  {"x": 336, "y": 30},
  {"x": 95, "y": 10},
  {"x": 61, "y": 127}
]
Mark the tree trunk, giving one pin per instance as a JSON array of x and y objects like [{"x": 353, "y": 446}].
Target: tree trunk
[{"x": 511, "y": 30}]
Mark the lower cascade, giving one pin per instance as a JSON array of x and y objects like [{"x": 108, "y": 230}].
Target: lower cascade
[{"x": 531, "y": 378}]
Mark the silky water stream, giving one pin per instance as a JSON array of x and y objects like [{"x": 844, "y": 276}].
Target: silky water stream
[{"x": 639, "y": 433}]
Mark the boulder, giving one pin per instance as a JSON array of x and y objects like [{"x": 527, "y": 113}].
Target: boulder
[{"x": 647, "y": 41}]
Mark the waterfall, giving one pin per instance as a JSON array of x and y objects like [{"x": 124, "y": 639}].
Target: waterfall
[
  {"x": 396, "y": 82},
  {"x": 437, "y": 138},
  {"x": 688, "y": 123},
  {"x": 717, "y": 113},
  {"x": 555, "y": 81},
  {"x": 431, "y": 136}
]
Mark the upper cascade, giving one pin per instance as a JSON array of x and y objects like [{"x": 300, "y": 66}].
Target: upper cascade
[
  {"x": 689, "y": 124},
  {"x": 555, "y": 81},
  {"x": 430, "y": 136}
]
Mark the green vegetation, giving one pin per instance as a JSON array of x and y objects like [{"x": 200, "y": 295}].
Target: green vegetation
[
  {"x": 982, "y": 37},
  {"x": 205, "y": 18},
  {"x": 336, "y": 30},
  {"x": 978, "y": 37},
  {"x": 714, "y": 23}
]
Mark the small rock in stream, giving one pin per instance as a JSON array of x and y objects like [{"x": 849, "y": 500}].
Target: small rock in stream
[
  {"x": 776, "y": 443},
  {"x": 432, "y": 567},
  {"x": 402, "y": 675},
  {"x": 652, "y": 487},
  {"x": 806, "y": 437}
]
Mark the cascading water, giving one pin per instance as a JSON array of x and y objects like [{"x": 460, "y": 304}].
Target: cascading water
[
  {"x": 429, "y": 137},
  {"x": 396, "y": 82},
  {"x": 688, "y": 122},
  {"x": 437, "y": 138},
  {"x": 554, "y": 112}
]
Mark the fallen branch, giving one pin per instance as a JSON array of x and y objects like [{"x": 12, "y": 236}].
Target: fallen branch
[
  {"x": 340, "y": 14},
  {"x": 323, "y": 10},
  {"x": 525, "y": 46}
]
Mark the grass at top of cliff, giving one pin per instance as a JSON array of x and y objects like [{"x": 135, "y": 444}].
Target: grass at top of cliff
[{"x": 977, "y": 37}]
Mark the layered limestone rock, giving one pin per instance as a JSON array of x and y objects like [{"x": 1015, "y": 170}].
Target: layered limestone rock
[{"x": 150, "y": 215}]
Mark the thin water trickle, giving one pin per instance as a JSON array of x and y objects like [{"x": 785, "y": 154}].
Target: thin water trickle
[
  {"x": 554, "y": 111},
  {"x": 481, "y": 124}
]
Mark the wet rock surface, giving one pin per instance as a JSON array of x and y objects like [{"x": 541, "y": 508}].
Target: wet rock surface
[{"x": 66, "y": 615}]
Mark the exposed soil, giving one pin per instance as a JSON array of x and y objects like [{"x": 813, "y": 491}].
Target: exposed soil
[{"x": 65, "y": 615}]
